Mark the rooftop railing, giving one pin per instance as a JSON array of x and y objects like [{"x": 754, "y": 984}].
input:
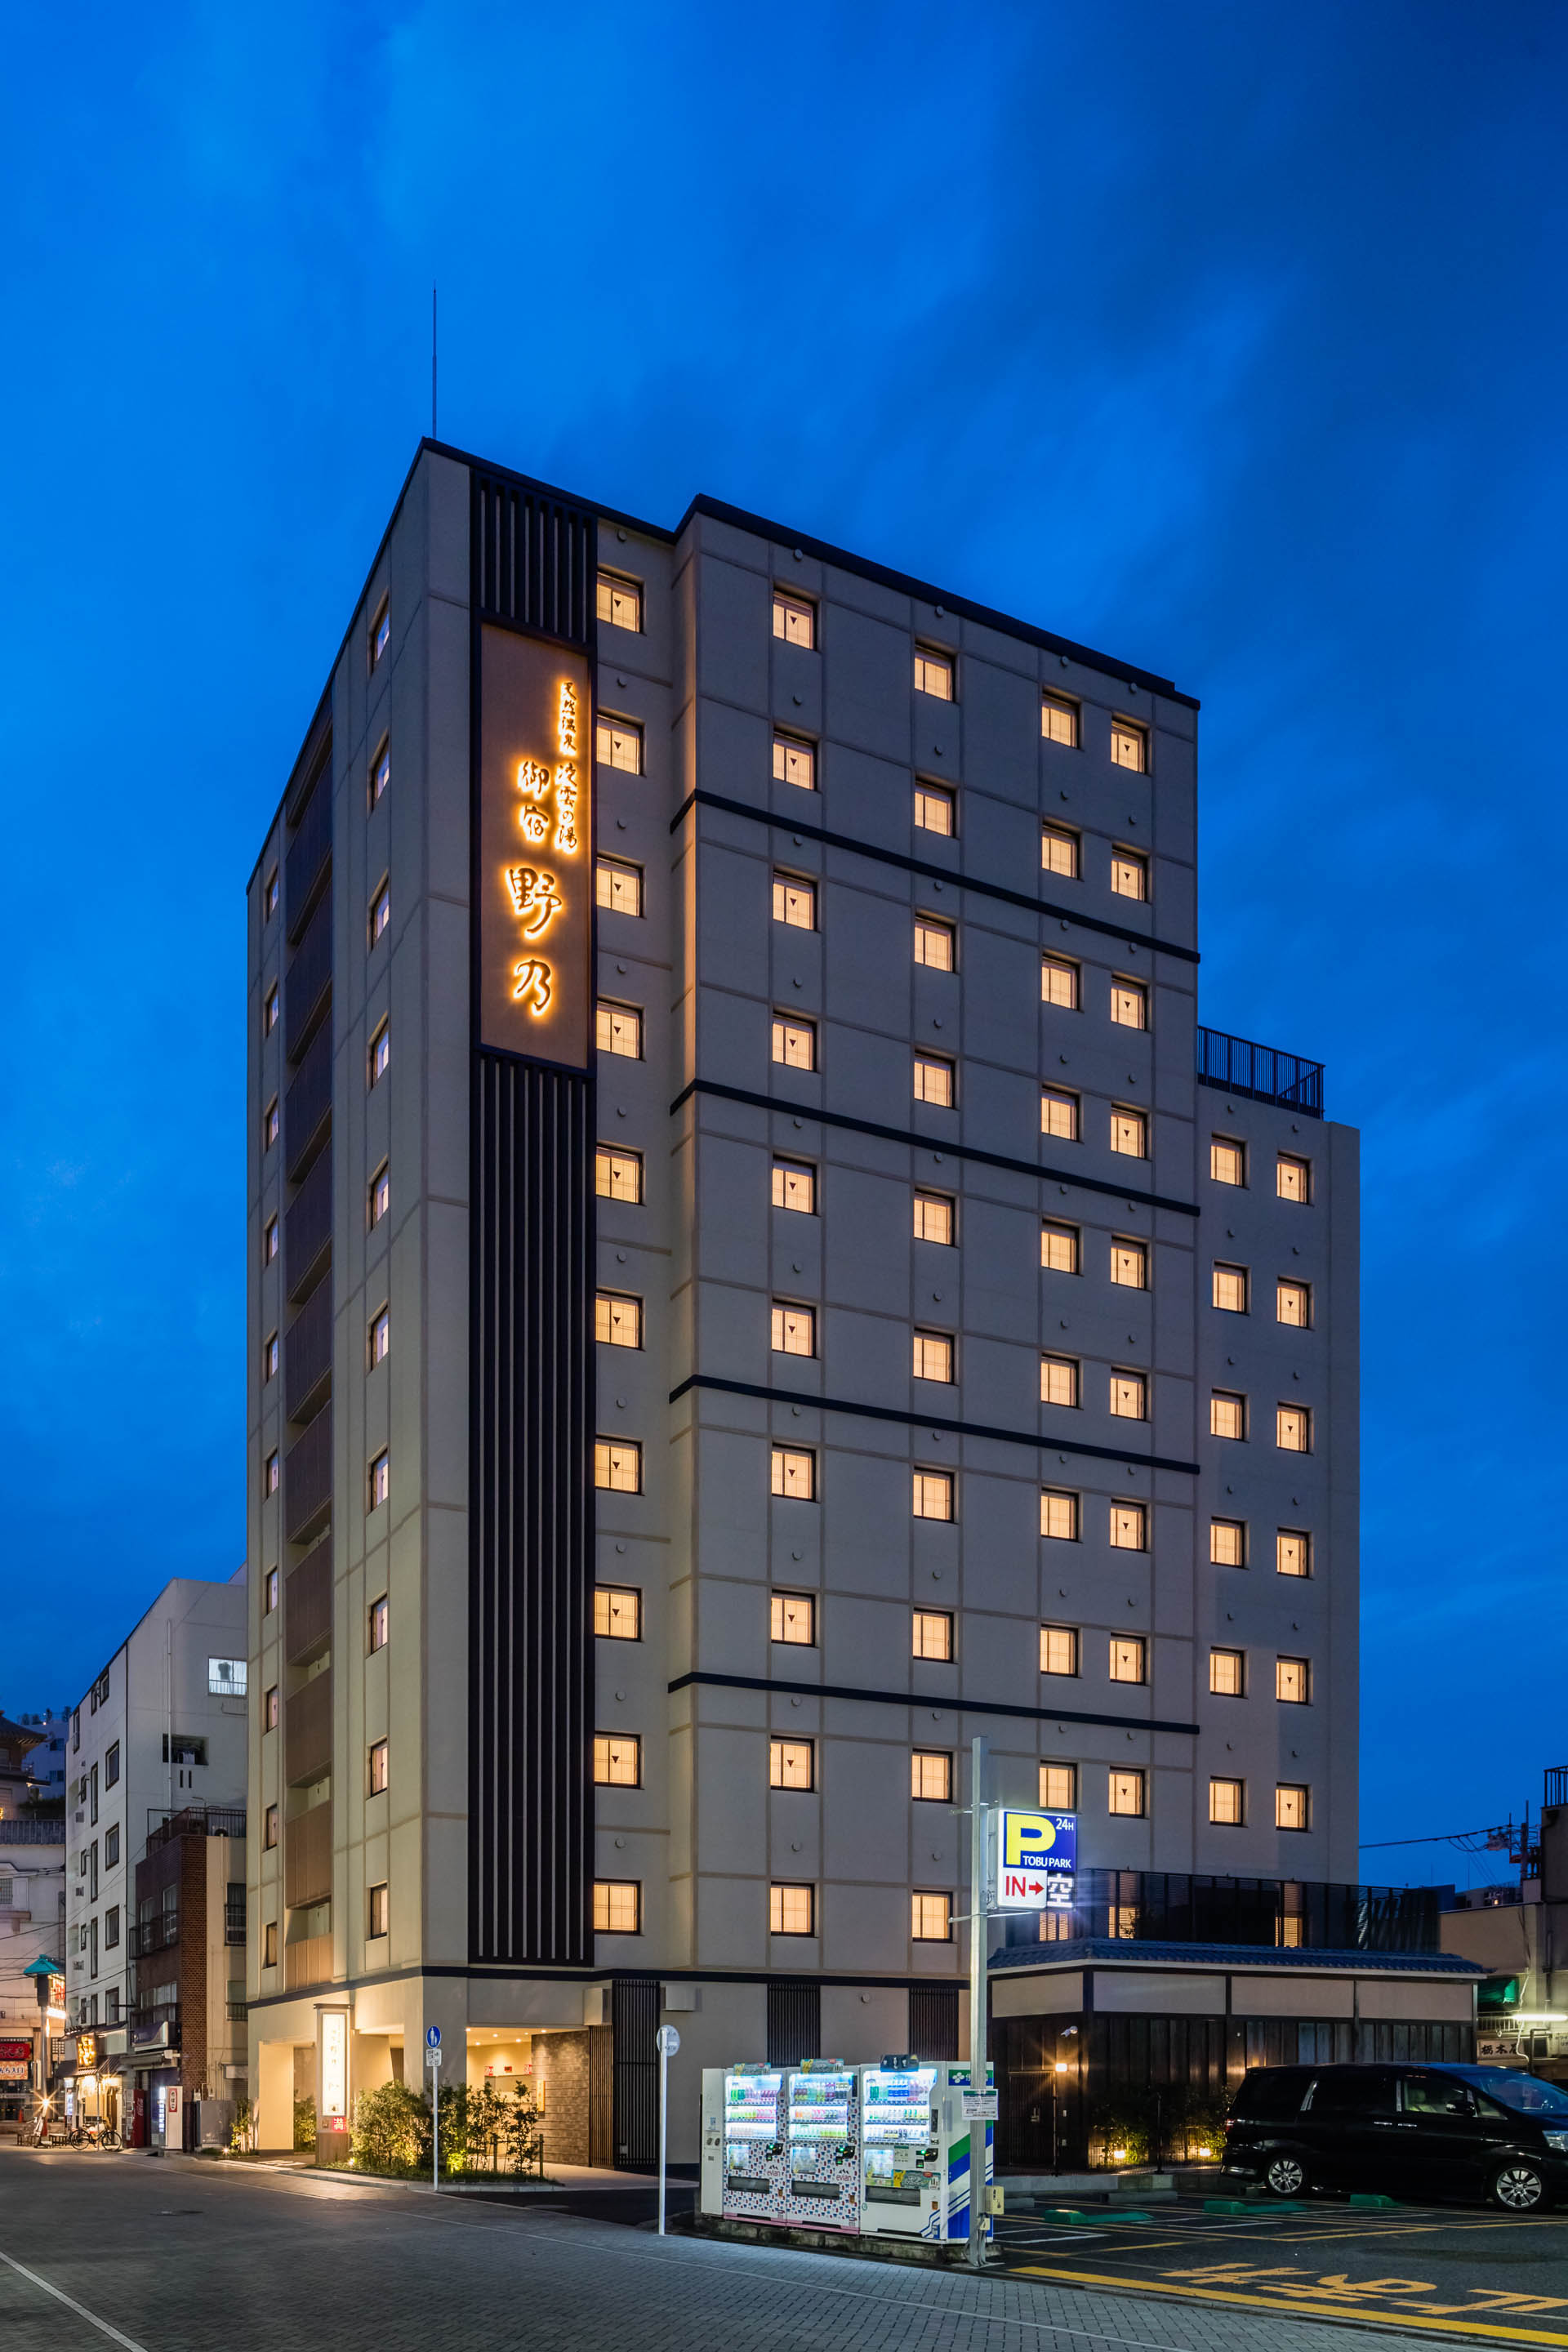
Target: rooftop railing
[{"x": 1261, "y": 1071}]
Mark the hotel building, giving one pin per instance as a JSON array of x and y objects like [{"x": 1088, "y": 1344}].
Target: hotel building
[{"x": 756, "y": 1275}]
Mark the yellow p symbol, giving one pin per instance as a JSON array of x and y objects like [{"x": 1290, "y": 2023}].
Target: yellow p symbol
[{"x": 1029, "y": 1834}]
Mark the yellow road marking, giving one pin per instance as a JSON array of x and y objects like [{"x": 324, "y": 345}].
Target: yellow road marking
[{"x": 1421, "y": 2322}]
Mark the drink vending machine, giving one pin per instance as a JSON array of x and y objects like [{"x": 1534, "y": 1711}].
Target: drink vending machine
[
  {"x": 822, "y": 2190},
  {"x": 744, "y": 2161},
  {"x": 915, "y": 2140}
]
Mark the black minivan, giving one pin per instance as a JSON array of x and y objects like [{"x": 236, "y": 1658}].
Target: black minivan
[{"x": 1424, "y": 2131}]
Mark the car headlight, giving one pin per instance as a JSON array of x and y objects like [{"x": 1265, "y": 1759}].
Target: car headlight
[{"x": 1558, "y": 2140}]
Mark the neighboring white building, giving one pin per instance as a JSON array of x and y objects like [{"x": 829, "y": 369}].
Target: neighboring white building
[
  {"x": 161, "y": 1729},
  {"x": 32, "y": 1928}
]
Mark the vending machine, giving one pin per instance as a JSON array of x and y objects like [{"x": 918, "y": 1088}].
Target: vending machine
[
  {"x": 822, "y": 2190},
  {"x": 915, "y": 2148},
  {"x": 745, "y": 2162}
]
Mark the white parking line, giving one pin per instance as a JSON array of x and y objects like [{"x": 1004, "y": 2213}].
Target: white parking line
[{"x": 80, "y": 2309}]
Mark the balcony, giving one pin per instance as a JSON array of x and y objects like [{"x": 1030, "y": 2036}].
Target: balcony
[
  {"x": 308, "y": 1605},
  {"x": 1262, "y": 1072},
  {"x": 309, "y": 853},
  {"x": 196, "y": 1821},
  {"x": 308, "y": 1478},
  {"x": 308, "y": 1731},
  {"x": 308, "y": 1105},
  {"x": 308, "y": 1354},
  {"x": 308, "y": 982},
  {"x": 308, "y": 1230},
  {"x": 308, "y": 1855}
]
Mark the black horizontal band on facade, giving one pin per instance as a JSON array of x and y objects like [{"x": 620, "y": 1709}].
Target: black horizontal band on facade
[
  {"x": 931, "y": 872},
  {"x": 931, "y": 1699},
  {"x": 489, "y": 1972},
  {"x": 931, "y": 1421},
  {"x": 1131, "y": 1193}
]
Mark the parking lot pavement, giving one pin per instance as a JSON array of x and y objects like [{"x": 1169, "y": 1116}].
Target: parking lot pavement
[
  {"x": 1448, "y": 2270},
  {"x": 187, "y": 2256}
]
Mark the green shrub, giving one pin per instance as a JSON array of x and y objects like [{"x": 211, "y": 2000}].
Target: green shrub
[
  {"x": 304, "y": 2124},
  {"x": 389, "y": 2126}
]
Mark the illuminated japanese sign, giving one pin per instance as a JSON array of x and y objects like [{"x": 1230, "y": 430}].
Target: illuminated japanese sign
[
  {"x": 335, "y": 2067},
  {"x": 535, "y": 910},
  {"x": 1037, "y": 1857}
]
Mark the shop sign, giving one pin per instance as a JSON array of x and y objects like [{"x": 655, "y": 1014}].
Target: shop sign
[
  {"x": 334, "y": 2068},
  {"x": 535, "y": 835},
  {"x": 16, "y": 2060},
  {"x": 86, "y": 2052},
  {"x": 1037, "y": 1857}
]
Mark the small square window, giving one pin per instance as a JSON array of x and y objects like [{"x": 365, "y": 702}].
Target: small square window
[
  {"x": 1227, "y": 1161},
  {"x": 619, "y": 603},
  {"x": 936, "y": 944},
  {"x": 795, "y": 1187},
  {"x": 1059, "y": 1380},
  {"x": 272, "y": 1125},
  {"x": 617, "y": 1465},
  {"x": 1229, "y": 1291},
  {"x": 269, "y": 1357},
  {"x": 380, "y": 1339},
  {"x": 617, "y": 744},
  {"x": 380, "y": 1622},
  {"x": 380, "y": 1054},
  {"x": 1058, "y": 719},
  {"x": 931, "y": 1634},
  {"x": 618, "y": 1029},
  {"x": 793, "y": 1473},
  {"x": 1225, "y": 1803},
  {"x": 1293, "y": 1304},
  {"x": 617, "y": 1760},
  {"x": 794, "y": 762},
  {"x": 1129, "y": 746},
  {"x": 1226, "y": 1674},
  {"x": 1291, "y": 1806},
  {"x": 931, "y": 1918},
  {"x": 1128, "y": 1658},
  {"x": 270, "y": 1709},
  {"x": 1130, "y": 1265},
  {"x": 792, "y": 1764},
  {"x": 930, "y": 1776},
  {"x": 618, "y": 1319},
  {"x": 1128, "y": 1005},
  {"x": 380, "y": 773},
  {"x": 1129, "y": 873},
  {"x": 380, "y": 1914},
  {"x": 1059, "y": 851},
  {"x": 270, "y": 1476},
  {"x": 269, "y": 1011},
  {"x": 795, "y": 620},
  {"x": 270, "y": 1240},
  {"x": 380, "y": 1199},
  {"x": 379, "y": 1768},
  {"x": 1058, "y": 982},
  {"x": 1125, "y": 1795},
  {"x": 1130, "y": 1133},
  {"x": 617, "y": 886},
  {"x": 1059, "y": 1514},
  {"x": 380, "y": 912},
  {"x": 380, "y": 1481},
  {"x": 795, "y": 902},
  {"x": 795, "y": 1042},
  {"x": 1227, "y": 1543},
  {"x": 1292, "y": 1429},
  {"x": 932, "y": 1494},
  {"x": 618, "y": 1175},
  {"x": 269, "y": 1592},
  {"x": 1228, "y": 1414},
  {"x": 1293, "y": 1552},
  {"x": 1059, "y": 1247},
  {"x": 618, "y": 1613},
  {"x": 1129, "y": 1396},
  {"x": 269, "y": 897},
  {"x": 617, "y": 1906},
  {"x": 1059, "y": 1788},
  {"x": 793, "y": 1330},
  {"x": 791, "y": 1910},
  {"x": 934, "y": 673},
  {"x": 1293, "y": 1177},
  {"x": 380, "y": 631},
  {"x": 1293, "y": 1681},
  {"x": 1059, "y": 1650},
  {"x": 792, "y": 1619},
  {"x": 269, "y": 1827},
  {"x": 935, "y": 1218},
  {"x": 933, "y": 1356},
  {"x": 1059, "y": 1114},
  {"x": 936, "y": 1081},
  {"x": 1129, "y": 1528},
  {"x": 936, "y": 810}
]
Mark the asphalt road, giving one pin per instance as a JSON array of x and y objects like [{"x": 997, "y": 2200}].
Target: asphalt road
[{"x": 184, "y": 2255}]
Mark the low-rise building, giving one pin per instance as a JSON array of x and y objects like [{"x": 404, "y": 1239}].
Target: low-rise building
[
  {"x": 31, "y": 1929},
  {"x": 1516, "y": 1930},
  {"x": 188, "y": 1944}
]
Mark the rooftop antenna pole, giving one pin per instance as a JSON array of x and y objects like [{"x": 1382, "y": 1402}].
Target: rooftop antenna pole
[{"x": 433, "y": 435}]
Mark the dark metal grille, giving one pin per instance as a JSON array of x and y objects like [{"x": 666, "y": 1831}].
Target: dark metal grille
[
  {"x": 1261, "y": 1071},
  {"x": 634, "y": 2015},
  {"x": 933, "y": 2021},
  {"x": 534, "y": 559},
  {"x": 794, "y": 2021}
]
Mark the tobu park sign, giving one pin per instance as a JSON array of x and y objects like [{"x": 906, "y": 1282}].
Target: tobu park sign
[{"x": 1037, "y": 1860}]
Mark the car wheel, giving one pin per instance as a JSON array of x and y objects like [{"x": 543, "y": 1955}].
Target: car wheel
[
  {"x": 1517, "y": 2187},
  {"x": 1285, "y": 2177}
]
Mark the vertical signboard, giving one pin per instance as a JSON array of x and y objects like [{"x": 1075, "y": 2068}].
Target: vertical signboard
[
  {"x": 1037, "y": 1861},
  {"x": 334, "y": 2104},
  {"x": 535, "y": 862}
]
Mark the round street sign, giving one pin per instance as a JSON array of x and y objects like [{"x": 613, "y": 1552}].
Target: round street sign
[
  {"x": 668, "y": 2040},
  {"x": 432, "y": 2037}
]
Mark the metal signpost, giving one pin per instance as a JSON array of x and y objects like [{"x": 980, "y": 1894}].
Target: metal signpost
[
  {"x": 668, "y": 2042},
  {"x": 433, "y": 2060}
]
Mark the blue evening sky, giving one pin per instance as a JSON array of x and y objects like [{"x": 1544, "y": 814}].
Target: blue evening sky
[{"x": 1228, "y": 339}]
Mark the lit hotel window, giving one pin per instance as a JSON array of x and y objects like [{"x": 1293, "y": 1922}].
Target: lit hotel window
[
  {"x": 1059, "y": 1514},
  {"x": 791, "y": 1473},
  {"x": 1292, "y": 1552},
  {"x": 617, "y": 1465},
  {"x": 617, "y": 744},
  {"x": 1130, "y": 1266},
  {"x": 1058, "y": 1380},
  {"x": 617, "y": 1906},
  {"x": 1292, "y": 1178},
  {"x": 935, "y": 1081},
  {"x": 1059, "y": 851},
  {"x": 791, "y": 1910},
  {"x": 617, "y": 886},
  {"x": 1225, "y": 1803},
  {"x": 380, "y": 1194},
  {"x": 1129, "y": 1528},
  {"x": 379, "y": 1912},
  {"x": 795, "y": 1042},
  {"x": 1058, "y": 719},
  {"x": 1129, "y": 1396},
  {"x": 380, "y": 1344},
  {"x": 1129, "y": 873},
  {"x": 1059, "y": 1650},
  {"x": 380, "y": 1054},
  {"x": 1226, "y": 1673},
  {"x": 931, "y": 1918},
  {"x": 1227, "y": 1161},
  {"x": 1293, "y": 1429},
  {"x": 793, "y": 619},
  {"x": 936, "y": 811},
  {"x": 935, "y": 944},
  {"x": 1227, "y": 1543},
  {"x": 791, "y": 1618},
  {"x": 1128, "y": 1005},
  {"x": 618, "y": 1613},
  {"x": 378, "y": 1768},
  {"x": 1293, "y": 1681},
  {"x": 1129, "y": 746},
  {"x": 1059, "y": 1114},
  {"x": 618, "y": 1029},
  {"x": 795, "y": 1187},
  {"x": 931, "y": 1634},
  {"x": 1228, "y": 1414},
  {"x": 1290, "y": 1806},
  {"x": 1230, "y": 1289},
  {"x": 795, "y": 902},
  {"x": 794, "y": 762},
  {"x": 933, "y": 1356},
  {"x": 1059, "y": 1788},
  {"x": 380, "y": 631},
  {"x": 1130, "y": 1133},
  {"x": 933, "y": 1494},
  {"x": 1058, "y": 982},
  {"x": 380, "y": 1484},
  {"x": 930, "y": 1776},
  {"x": 618, "y": 1175},
  {"x": 933, "y": 673},
  {"x": 1293, "y": 1304},
  {"x": 793, "y": 1331},
  {"x": 1059, "y": 1248},
  {"x": 1128, "y": 1656},
  {"x": 1125, "y": 1795},
  {"x": 792, "y": 1764},
  {"x": 619, "y": 601},
  {"x": 617, "y": 1760},
  {"x": 934, "y": 1218},
  {"x": 380, "y": 772},
  {"x": 618, "y": 1319}
]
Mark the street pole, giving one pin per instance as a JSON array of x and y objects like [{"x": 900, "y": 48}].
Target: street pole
[
  {"x": 979, "y": 1845},
  {"x": 668, "y": 2042}
]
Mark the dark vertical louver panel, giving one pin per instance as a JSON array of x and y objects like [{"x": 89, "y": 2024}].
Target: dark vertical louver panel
[
  {"x": 933, "y": 2021},
  {"x": 530, "y": 1809},
  {"x": 534, "y": 559},
  {"x": 634, "y": 2018},
  {"x": 794, "y": 2021}
]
